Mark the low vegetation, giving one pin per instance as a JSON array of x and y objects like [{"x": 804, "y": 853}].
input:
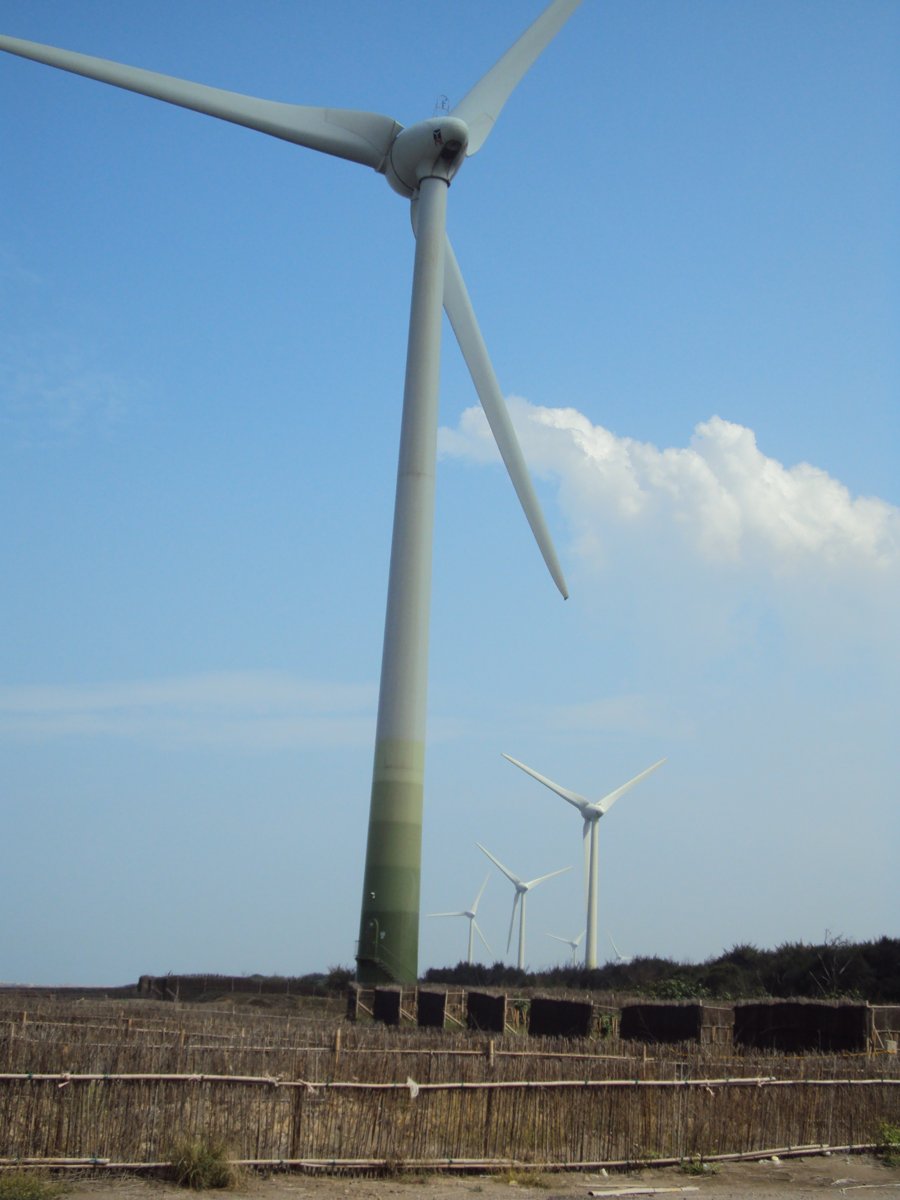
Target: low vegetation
[
  {"x": 28, "y": 1185},
  {"x": 522, "y": 1177},
  {"x": 834, "y": 969},
  {"x": 697, "y": 1165},
  {"x": 199, "y": 1164},
  {"x": 888, "y": 1142}
]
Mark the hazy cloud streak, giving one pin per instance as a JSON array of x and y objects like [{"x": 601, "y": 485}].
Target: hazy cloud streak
[{"x": 238, "y": 709}]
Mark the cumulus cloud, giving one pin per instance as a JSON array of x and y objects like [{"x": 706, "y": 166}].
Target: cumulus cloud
[
  {"x": 236, "y": 709},
  {"x": 719, "y": 498}
]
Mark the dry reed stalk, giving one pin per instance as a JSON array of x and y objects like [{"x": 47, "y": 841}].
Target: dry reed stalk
[
  {"x": 218, "y": 1072},
  {"x": 523, "y": 1123}
]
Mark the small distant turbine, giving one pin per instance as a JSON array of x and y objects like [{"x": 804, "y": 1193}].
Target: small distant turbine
[
  {"x": 573, "y": 942},
  {"x": 591, "y": 814},
  {"x": 522, "y": 887},
  {"x": 620, "y": 959},
  {"x": 473, "y": 924}
]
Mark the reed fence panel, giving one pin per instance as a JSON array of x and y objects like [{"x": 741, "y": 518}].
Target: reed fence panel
[
  {"x": 290, "y": 1048},
  {"x": 135, "y": 1120},
  {"x": 121, "y": 1080}
]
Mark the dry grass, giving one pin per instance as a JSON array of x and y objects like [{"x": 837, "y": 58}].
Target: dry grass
[
  {"x": 198, "y": 1164},
  {"x": 522, "y": 1177},
  {"x": 28, "y": 1185}
]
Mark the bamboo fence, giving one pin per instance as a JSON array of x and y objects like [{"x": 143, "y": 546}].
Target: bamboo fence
[{"x": 118, "y": 1083}]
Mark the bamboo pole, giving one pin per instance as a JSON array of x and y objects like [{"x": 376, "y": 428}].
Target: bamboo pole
[
  {"x": 438, "y": 1164},
  {"x": 13, "y": 1163},
  {"x": 63, "y": 1079}
]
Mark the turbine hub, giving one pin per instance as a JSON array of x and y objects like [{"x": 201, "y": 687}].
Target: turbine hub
[{"x": 432, "y": 149}]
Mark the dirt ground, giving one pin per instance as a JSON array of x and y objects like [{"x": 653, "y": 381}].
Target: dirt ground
[{"x": 788, "y": 1179}]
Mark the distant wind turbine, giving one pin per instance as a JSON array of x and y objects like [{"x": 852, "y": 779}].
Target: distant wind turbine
[
  {"x": 620, "y": 959},
  {"x": 419, "y": 163},
  {"x": 574, "y": 943},
  {"x": 591, "y": 814},
  {"x": 473, "y": 924},
  {"x": 522, "y": 887}
]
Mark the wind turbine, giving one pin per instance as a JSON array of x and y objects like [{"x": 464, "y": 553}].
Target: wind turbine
[
  {"x": 419, "y": 163},
  {"x": 620, "y": 959},
  {"x": 574, "y": 943},
  {"x": 522, "y": 887},
  {"x": 473, "y": 924},
  {"x": 591, "y": 814}
]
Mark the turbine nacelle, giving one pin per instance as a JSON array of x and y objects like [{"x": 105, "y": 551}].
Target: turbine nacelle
[{"x": 433, "y": 149}]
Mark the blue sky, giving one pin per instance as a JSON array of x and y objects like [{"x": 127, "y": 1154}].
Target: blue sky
[{"x": 682, "y": 245}]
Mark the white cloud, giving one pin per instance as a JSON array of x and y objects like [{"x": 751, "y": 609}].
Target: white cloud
[
  {"x": 50, "y": 392},
  {"x": 720, "y": 499},
  {"x": 238, "y": 709}
]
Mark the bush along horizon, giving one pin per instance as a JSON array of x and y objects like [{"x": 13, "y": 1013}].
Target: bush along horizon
[{"x": 835, "y": 969}]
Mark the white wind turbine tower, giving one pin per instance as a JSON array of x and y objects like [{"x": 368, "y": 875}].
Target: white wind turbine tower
[
  {"x": 419, "y": 163},
  {"x": 573, "y": 943},
  {"x": 591, "y": 814},
  {"x": 473, "y": 924},
  {"x": 523, "y": 887}
]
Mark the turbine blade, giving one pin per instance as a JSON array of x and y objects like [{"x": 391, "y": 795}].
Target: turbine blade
[
  {"x": 483, "y": 938},
  {"x": 457, "y": 914},
  {"x": 509, "y": 875},
  {"x": 540, "y": 879},
  {"x": 481, "y": 105},
  {"x": 459, "y": 309},
  {"x": 573, "y": 798},
  {"x": 361, "y": 137},
  {"x": 474, "y": 908},
  {"x": 607, "y": 802},
  {"x": 512, "y": 920}
]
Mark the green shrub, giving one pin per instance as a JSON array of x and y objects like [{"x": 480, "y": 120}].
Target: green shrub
[
  {"x": 695, "y": 1165},
  {"x": 198, "y": 1164},
  {"x": 27, "y": 1185},
  {"x": 887, "y": 1138},
  {"x": 521, "y": 1177}
]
